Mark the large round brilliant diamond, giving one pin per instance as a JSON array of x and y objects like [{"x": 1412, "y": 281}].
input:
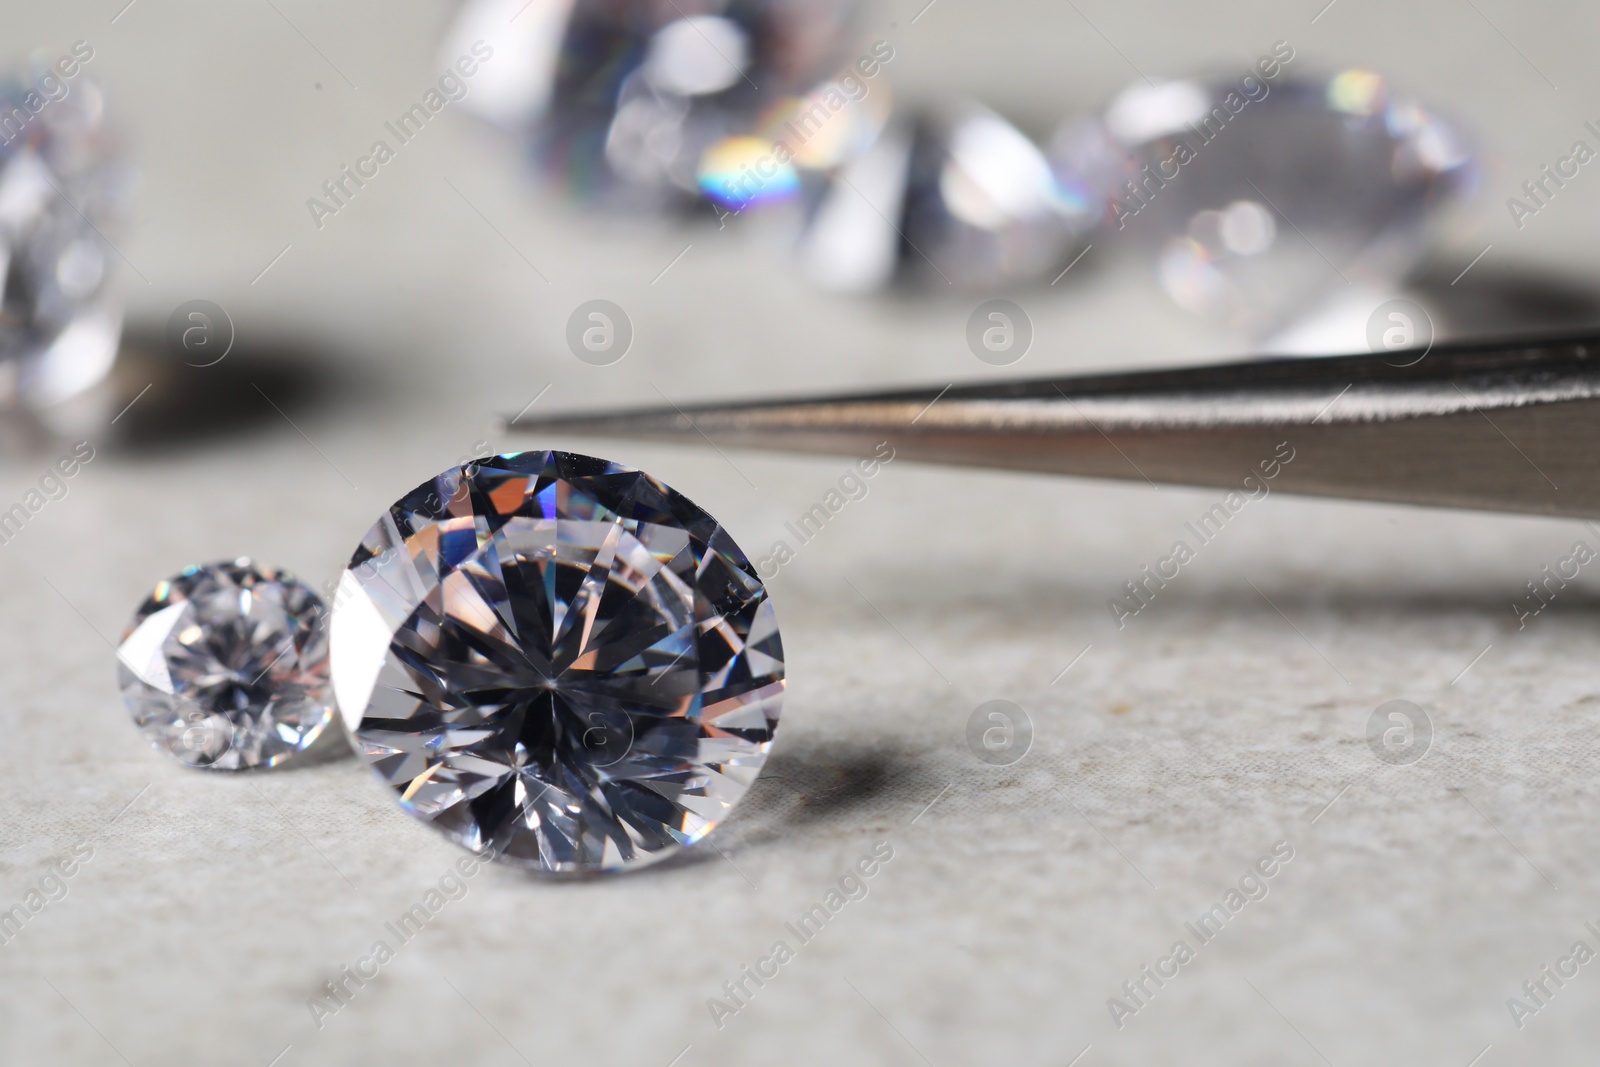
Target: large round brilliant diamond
[{"x": 558, "y": 659}]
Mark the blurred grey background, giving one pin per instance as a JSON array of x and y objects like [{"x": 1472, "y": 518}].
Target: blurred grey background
[{"x": 1228, "y": 718}]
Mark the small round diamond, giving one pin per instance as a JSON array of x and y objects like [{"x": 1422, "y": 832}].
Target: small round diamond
[
  {"x": 557, "y": 659},
  {"x": 226, "y": 666}
]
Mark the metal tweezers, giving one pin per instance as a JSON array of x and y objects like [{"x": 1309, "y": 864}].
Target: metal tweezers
[{"x": 1510, "y": 425}]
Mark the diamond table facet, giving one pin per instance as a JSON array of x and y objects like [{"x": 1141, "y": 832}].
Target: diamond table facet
[
  {"x": 557, "y": 659},
  {"x": 226, "y": 666}
]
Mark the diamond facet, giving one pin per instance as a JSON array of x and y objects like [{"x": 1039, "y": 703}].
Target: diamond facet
[
  {"x": 226, "y": 666},
  {"x": 559, "y": 659}
]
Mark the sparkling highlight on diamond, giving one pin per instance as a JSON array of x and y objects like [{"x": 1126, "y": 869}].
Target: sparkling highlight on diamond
[
  {"x": 226, "y": 666},
  {"x": 557, "y": 659}
]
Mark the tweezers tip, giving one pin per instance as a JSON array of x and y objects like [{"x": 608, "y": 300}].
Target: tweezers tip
[{"x": 624, "y": 422}]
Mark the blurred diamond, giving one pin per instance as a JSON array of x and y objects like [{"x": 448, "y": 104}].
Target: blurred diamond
[
  {"x": 654, "y": 104},
  {"x": 558, "y": 659},
  {"x": 59, "y": 191},
  {"x": 962, "y": 200},
  {"x": 1260, "y": 199},
  {"x": 226, "y": 666}
]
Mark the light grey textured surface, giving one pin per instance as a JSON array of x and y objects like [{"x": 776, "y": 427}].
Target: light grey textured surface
[{"x": 1174, "y": 753}]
